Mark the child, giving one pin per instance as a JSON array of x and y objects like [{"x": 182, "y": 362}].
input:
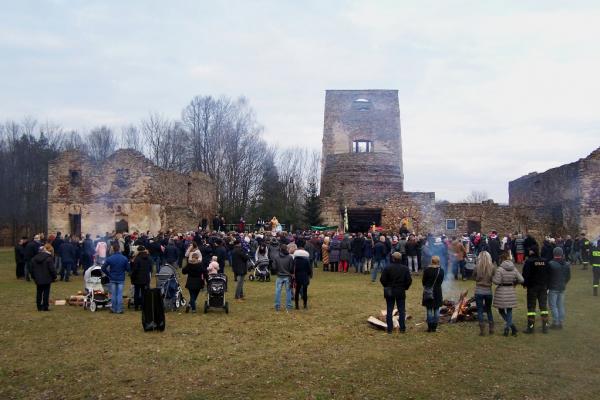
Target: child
[{"x": 213, "y": 267}]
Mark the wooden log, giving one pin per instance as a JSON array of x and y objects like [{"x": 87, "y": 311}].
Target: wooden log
[
  {"x": 376, "y": 323},
  {"x": 462, "y": 301}
]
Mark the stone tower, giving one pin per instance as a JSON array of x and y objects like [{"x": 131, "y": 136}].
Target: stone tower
[{"x": 362, "y": 155}]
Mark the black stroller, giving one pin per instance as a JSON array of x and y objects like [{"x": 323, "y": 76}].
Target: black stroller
[{"x": 216, "y": 288}]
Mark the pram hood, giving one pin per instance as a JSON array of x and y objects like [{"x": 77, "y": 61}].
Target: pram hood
[
  {"x": 167, "y": 271},
  {"x": 92, "y": 279}
]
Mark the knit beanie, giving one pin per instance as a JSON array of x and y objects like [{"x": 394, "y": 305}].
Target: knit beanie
[{"x": 557, "y": 252}]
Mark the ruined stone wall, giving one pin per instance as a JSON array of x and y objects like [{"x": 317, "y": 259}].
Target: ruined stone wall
[
  {"x": 590, "y": 194},
  {"x": 126, "y": 187},
  {"x": 562, "y": 200},
  {"x": 490, "y": 216}
]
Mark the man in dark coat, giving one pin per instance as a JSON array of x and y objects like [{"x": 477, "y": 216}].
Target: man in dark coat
[
  {"x": 172, "y": 253},
  {"x": 56, "y": 243},
  {"x": 494, "y": 248},
  {"x": 302, "y": 272},
  {"x": 68, "y": 255},
  {"x": 31, "y": 249},
  {"x": 358, "y": 243},
  {"x": 396, "y": 280},
  {"x": 379, "y": 255},
  {"x": 221, "y": 254},
  {"x": 20, "y": 258},
  {"x": 558, "y": 277},
  {"x": 535, "y": 275},
  {"x": 239, "y": 264},
  {"x": 43, "y": 273},
  {"x": 141, "y": 268},
  {"x": 87, "y": 252}
]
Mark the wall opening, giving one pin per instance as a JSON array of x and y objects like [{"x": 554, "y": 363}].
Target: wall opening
[
  {"x": 75, "y": 225},
  {"x": 473, "y": 226},
  {"x": 74, "y": 177},
  {"x": 362, "y": 146},
  {"x": 121, "y": 226},
  {"x": 361, "y": 219},
  {"x": 361, "y": 104}
]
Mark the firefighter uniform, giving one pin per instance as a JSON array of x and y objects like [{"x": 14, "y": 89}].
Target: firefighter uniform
[
  {"x": 586, "y": 247},
  {"x": 595, "y": 259},
  {"x": 535, "y": 274}
]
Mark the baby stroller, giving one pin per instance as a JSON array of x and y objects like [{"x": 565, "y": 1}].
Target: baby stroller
[
  {"x": 95, "y": 294},
  {"x": 216, "y": 288},
  {"x": 471, "y": 262},
  {"x": 261, "y": 272},
  {"x": 168, "y": 282}
]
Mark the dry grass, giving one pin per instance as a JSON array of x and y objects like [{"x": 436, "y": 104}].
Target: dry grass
[{"x": 325, "y": 352}]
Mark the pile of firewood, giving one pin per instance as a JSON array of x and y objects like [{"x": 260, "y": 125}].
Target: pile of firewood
[
  {"x": 457, "y": 311},
  {"x": 380, "y": 323}
]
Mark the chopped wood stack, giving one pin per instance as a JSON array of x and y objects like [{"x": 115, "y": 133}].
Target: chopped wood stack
[
  {"x": 457, "y": 311},
  {"x": 380, "y": 323}
]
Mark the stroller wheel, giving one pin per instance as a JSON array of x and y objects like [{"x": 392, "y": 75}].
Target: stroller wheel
[
  {"x": 251, "y": 277},
  {"x": 183, "y": 301},
  {"x": 226, "y": 307},
  {"x": 93, "y": 306},
  {"x": 268, "y": 279},
  {"x": 177, "y": 303},
  {"x": 205, "y": 307}
]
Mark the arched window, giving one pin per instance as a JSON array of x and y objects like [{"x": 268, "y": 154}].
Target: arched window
[
  {"x": 362, "y": 146},
  {"x": 361, "y": 104}
]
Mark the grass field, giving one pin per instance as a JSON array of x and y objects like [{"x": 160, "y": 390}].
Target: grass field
[{"x": 326, "y": 352}]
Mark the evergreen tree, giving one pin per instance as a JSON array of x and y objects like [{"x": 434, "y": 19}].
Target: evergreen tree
[{"x": 312, "y": 205}]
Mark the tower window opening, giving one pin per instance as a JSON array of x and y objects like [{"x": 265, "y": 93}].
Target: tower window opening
[
  {"x": 362, "y": 146},
  {"x": 362, "y": 104}
]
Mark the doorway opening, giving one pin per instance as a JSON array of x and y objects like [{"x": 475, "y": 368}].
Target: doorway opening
[
  {"x": 473, "y": 226},
  {"x": 361, "y": 219},
  {"x": 75, "y": 225},
  {"x": 121, "y": 226}
]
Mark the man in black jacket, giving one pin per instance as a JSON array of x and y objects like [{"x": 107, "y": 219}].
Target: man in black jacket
[
  {"x": 20, "y": 258},
  {"x": 396, "y": 280},
  {"x": 535, "y": 274},
  {"x": 358, "y": 243},
  {"x": 559, "y": 276},
  {"x": 239, "y": 264},
  {"x": 31, "y": 249}
]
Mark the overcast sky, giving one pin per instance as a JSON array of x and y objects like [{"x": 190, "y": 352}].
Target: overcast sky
[{"x": 489, "y": 90}]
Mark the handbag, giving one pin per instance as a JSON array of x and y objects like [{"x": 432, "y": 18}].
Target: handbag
[{"x": 428, "y": 290}]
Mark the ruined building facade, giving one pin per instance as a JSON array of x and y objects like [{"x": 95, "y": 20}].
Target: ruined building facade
[
  {"x": 124, "y": 193},
  {"x": 362, "y": 174}
]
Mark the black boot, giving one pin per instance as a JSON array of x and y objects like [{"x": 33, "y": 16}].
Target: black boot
[
  {"x": 530, "y": 325},
  {"x": 434, "y": 327},
  {"x": 491, "y": 325},
  {"x": 429, "y": 327},
  {"x": 545, "y": 324},
  {"x": 513, "y": 328},
  {"x": 481, "y": 329},
  {"x": 506, "y": 330}
]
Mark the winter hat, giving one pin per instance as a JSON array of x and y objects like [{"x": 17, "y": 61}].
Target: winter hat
[
  {"x": 557, "y": 252},
  {"x": 396, "y": 255},
  {"x": 215, "y": 258}
]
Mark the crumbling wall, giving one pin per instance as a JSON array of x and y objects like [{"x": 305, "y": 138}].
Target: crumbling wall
[
  {"x": 126, "y": 187},
  {"x": 590, "y": 194}
]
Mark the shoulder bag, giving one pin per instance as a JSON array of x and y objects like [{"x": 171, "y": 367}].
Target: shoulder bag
[{"x": 428, "y": 290}]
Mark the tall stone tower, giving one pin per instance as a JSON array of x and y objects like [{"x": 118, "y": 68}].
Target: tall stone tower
[{"x": 362, "y": 155}]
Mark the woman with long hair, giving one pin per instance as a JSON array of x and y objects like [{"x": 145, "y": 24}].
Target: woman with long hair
[
  {"x": 325, "y": 253},
  {"x": 483, "y": 274},
  {"x": 433, "y": 276}
]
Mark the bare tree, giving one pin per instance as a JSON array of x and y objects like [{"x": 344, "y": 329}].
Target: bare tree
[
  {"x": 476, "y": 197},
  {"x": 101, "y": 143},
  {"x": 130, "y": 138}
]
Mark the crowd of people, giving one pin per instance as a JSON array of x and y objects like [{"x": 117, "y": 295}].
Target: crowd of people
[{"x": 293, "y": 257}]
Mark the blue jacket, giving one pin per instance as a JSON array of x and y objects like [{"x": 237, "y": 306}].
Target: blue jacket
[
  {"x": 115, "y": 267},
  {"x": 68, "y": 252},
  {"x": 379, "y": 251}
]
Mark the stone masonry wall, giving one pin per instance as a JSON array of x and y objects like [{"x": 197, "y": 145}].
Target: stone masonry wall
[
  {"x": 128, "y": 187},
  {"x": 590, "y": 195}
]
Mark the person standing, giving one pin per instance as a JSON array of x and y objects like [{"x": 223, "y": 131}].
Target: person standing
[
  {"x": 595, "y": 260},
  {"x": 239, "y": 264},
  {"x": 483, "y": 274},
  {"x": 87, "y": 252},
  {"x": 358, "y": 244},
  {"x": 68, "y": 256},
  {"x": 172, "y": 254},
  {"x": 283, "y": 264},
  {"x": 586, "y": 247},
  {"x": 302, "y": 273},
  {"x": 433, "y": 276},
  {"x": 412, "y": 249},
  {"x": 325, "y": 253},
  {"x": 345, "y": 253},
  {"x": 43, "y": 273},
  {"x": 379, "y": 254},
  {"x": 505, "y": 298},
  {"x": 31, "y": 249},
  {"x": 195, "y": 279},
  {"x": 396, "y": 280},
  {"x": 559, "y": 276},
  {"x": 141, "y": 268},
  {"x": 459, "y": 259},
  {"x": 535, "y": 274},
  {"x": 368, "y": 254},
  {"x": 334, "y": 254},
  {"x": 115, "y": 268},
  {"x": 100, "y": 252},
  {"x": 20, "y": 258}
]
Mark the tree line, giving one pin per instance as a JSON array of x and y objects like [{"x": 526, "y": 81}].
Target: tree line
[{"x": 218, "y": 136}]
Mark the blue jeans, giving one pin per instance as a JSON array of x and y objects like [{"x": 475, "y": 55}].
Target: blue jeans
[
  {"x": 378, "y": 266},
  {"x": 357, "y": 262},
  {"x": 484, "y": 304},
  {"x": 156, "y": 262},
  {"x": 433, "y": 315},
  {"x": 116, "y": 293},
  {"x": 506, "y": 314},
  {"x": 67, "y": 266},
  {"x": 400, "y": 302},
  {"x": 284, "y": 280},
  {"x": 556, "y": 301}
]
